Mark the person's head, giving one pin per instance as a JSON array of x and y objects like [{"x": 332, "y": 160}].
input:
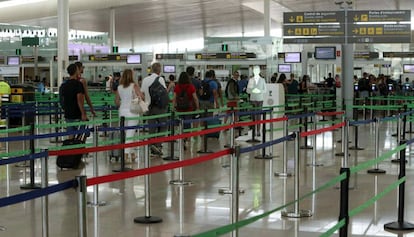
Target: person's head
[
  {"x": 337, "y": 76},
  {"x": 72, "y": 70},
  {"x": 209, "y": 74},
  {"x": 292, "y": 76},
  {"x": 213, "y": 74},
  {"x": 80, "y": 66},
  {"x": 171, "y": 77},
  {"x": 156, "y": 68},
  {"x": 190, "y": 71},
  {"x": 236, "y": 75},
  {"x": 329, "y": 75},
  {"x": 184, "y": 78},
  {"x": 127, "y": 78},
  {"x": 282, "y": 78},
  {"x": 117, "y": 75}
]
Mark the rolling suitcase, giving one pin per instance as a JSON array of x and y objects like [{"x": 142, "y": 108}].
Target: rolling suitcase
[
  {"x": 213, "y": 123},
  {"x": 74, "y": 160}
]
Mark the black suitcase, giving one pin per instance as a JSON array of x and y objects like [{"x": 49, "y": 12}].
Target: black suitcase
[{"x": 70, "y": 161}]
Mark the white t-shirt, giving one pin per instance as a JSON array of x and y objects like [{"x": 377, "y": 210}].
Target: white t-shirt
[{"x": 147, "y": 82}]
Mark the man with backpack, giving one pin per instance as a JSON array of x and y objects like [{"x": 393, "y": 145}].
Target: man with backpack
[
  {"x": 156, "y": 96},
  {"x": 232, "y": 93},
  {"x": 208, "y": 93}
]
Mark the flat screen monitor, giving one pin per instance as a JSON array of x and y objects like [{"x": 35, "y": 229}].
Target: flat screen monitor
[
  {"x": 284, "y": 68},
  {"x": 169, "y": 69},
  {"x": 325, "y": 53},
  {"x": 13, "y": 60},
  {"x": 408, "y": 68},
  {"x": 293, "y": 57},
  {"x": 134, "y": 59}
]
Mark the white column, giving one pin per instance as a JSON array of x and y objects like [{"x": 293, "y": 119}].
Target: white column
[
  {"x": 267, "y": 26},
  {"x": 63, "y": 38},
  {"x": 112, "y": 28}
]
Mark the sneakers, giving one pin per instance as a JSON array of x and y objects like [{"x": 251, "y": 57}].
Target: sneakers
[{"x": 156, "y": 150}]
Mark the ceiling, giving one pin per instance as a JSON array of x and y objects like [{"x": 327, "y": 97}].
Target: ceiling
[{"x": 160, "y": 21}]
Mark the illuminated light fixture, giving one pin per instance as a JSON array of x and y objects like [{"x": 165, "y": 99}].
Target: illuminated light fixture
[{"x": 13, "y": 3}]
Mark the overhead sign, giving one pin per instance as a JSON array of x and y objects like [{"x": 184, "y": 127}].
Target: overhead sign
[
  {"x": 313, "y": 17},
  {"x": 201, "y": 56},
  {"x": 398, "y": 54},
  {"x": 169, "y": 56},
  {"x": 379, "y": 33},
  {"x": 313, "y": 30},
  {"x": 366, "y": 55},
  {"x": 379, "y": 16}
]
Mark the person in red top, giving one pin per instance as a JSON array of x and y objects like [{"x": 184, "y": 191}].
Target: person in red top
[{"x": 188, "y": 101}]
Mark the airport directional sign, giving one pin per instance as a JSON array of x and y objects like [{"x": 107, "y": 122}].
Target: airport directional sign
[
  {"x": 313, "y": 17},
  {"x": 379, "y": 33},
  {"x": 379, "y": 16}
]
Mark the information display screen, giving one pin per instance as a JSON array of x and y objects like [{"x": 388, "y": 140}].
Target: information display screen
[
  {"x": 134, "y": 59},
  {"x": 13, "y": 60},
  {"x": 408, "y": 68},
  {"x": 169, "y": 69},
  {"x": 284, "y": 68},
  {"x": 293, "y": 57},
  {"x": 325, "y": 53}
]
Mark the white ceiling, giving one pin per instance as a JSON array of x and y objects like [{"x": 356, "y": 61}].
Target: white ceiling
[{"x": 162, "y": 21}]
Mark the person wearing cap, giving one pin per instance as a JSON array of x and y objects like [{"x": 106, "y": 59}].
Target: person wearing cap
[{"x": 85, "y": 87}]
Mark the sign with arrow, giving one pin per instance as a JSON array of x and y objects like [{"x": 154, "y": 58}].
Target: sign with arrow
[
  {"x": 379, "y": 16},
  {"x": 313, "y": 17}
]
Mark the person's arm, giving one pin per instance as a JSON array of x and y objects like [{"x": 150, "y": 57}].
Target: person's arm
[
  {"x": 88, "y": 99},
  {"x": 81, "y": 100},
  {"x": 215, "y": 95},
  {"x": 138, "y": 91},
  {"x": 117, "y": 99}
]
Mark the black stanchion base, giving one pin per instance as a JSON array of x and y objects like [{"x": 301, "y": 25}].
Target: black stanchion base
[
  {"x": 339, "y": 154},
  {"x": 394, "y": 135},
  {"x": 355, "y": 148},
  {"x": 122, "y": 169},
  {"x": 397, "y": 161},
  {"x": 171, "y": 158},
  {"x": 147, "y": 220},
  {"x": 99, "y": 204},
  {"x": 31, "y": 186},
  {"x": 376, "y": 171},
  {"x": 306, "y": 147},
  {"x": 315, "y": 165},
  {"x": 265, "y": 157},
  {"x": 401, "y": 226},
  {"x": 204, "y": 152},
  {"x": 253, "y": 141}
]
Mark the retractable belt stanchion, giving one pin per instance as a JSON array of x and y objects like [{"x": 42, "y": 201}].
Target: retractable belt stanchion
[
  {"x": 376, "y": 170},
  {"x": 82, "y": 217},
  {"x": 235, "y": 185},
  {"x": 171, "y": 156},
  {"x": 180, "y": 180},
  {"x": 147, "y": 219},
  {"x": 397, "y": 160},
  {"x": 56, "y": 118},
  {"x": 205, "y": 137},
  {"x": 232, "y": 164},
  {"x": 314, "y": 147},
  {"x": 32, "y": 184},
  {"x": 356, "y": 147},
  {"x": 305, "y": 146},
  {"x": 296, "y": 213},
  {"x": 253, "y": 139},
  {"x": 344, "y": 197},
  {"x": 24, "y": 164},
  {"x": 96, "y": 201},
  {"x": 122, "y": 151},
  {"x": 45, "y": 199},
  {"x": 284, "y": 173},
  {"x": 400, "y": 224},
  {"x": 264, "y": 155},
  {"x": 343, "y": 141}
]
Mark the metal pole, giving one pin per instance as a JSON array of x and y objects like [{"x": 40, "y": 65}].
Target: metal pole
[
  {"x": 32, "y": 184},
  {"x": 346, "y": 144},
  {"x": 399, "y": 125},
  {"x": 180, "y": 180},
  {"x": 296, "y": 213},
  {"x": 376, "y": 170},
  {"x": 147, "y": 219},
  {"x": 95, "y": 171},
  {"x": 263, "y": 155},
  {"x": 314, "y": 145},
  {"x": 284, "y": 161},
  {"x": 235, "y": 186},
  {"x": 122, "y": 151},
  {"x": 45, "y": 199},
  {"x": 82, "y": 193},
  {"x": 171, "y": 156}
]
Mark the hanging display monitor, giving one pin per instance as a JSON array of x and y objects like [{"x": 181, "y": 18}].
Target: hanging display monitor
[
  {"x": 325, "y": 53},
  {"x": 408, "y": 68},
  {"x": 293, "y": 57},
  {"x": 284, "y": 68},
  {"x": 134, "y": 59},
  {"x": 169, "y": 69},
  {"x": 13, "y": 60}
]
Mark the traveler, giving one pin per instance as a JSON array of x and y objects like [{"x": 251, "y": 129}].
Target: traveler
[
  {"x": 208, "y": 93},
  {"x": 85, "y": 87},
  {"x": 123, "y": 97},
  {"x": 232, "y": 93}
]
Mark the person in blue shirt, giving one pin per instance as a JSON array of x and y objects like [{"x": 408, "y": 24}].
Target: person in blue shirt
[{"x": 211, "y": 102}]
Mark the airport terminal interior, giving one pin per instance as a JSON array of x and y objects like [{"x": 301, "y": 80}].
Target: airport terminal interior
[{"x": 325, "y": 150}]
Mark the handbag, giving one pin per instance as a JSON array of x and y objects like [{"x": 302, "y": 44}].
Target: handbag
[{"x": 138, "y": 106}]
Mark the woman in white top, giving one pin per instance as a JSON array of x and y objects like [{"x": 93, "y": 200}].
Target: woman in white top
[
  {"x": 123, "y": 98},
  {"x": 257, "y": 89}
]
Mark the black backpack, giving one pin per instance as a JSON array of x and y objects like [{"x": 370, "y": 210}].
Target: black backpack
[
  {"x": 183, "y": 103},
  {"x": 158, "y": 94},
  {"x": 61, "y": 94},
  {"x": 205, "y": 90}
]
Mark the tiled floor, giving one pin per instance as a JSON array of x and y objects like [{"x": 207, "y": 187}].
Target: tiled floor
[{"x": 189, "y": 210}]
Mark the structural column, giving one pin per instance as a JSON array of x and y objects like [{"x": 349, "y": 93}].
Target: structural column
[
  {"x": 267, "y": 27},
  {"x": 112, "y": 28},
  {"x": 63, "y": 38}
]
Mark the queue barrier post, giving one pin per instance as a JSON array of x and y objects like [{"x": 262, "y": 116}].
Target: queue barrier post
[
  {"x": 344, "y": 200},
  {"x": 205, "y": 137},
  {"x": 95, "y": 169},
  {"x": 235, "y": 185},
  {"x": 264, "y": 155},
  {"x": 32, "y": 184},
  {"x": 400, "y": 224},
  {"x": 313, "y": 162},
  {"x": 171, "y": 156},
  {"x": 147, "y": 219},
  {"x": 356, "y": 146},
  {"x": 399, "y": 125},
  {"x": 122, "y": 150},
  {"x": 297, "y": 213},
  {"x": 376, "y": 170},
  {"x": 180, "y": 180},
  {"x": 254, "y": 132},
  {"x": 45, "y": 199},
  {"x": 343, "y": 141},
  {"x": 305, "y": 146},
  {"x": 82, "y": 215},
  {"x": 284, "y": 172}
]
